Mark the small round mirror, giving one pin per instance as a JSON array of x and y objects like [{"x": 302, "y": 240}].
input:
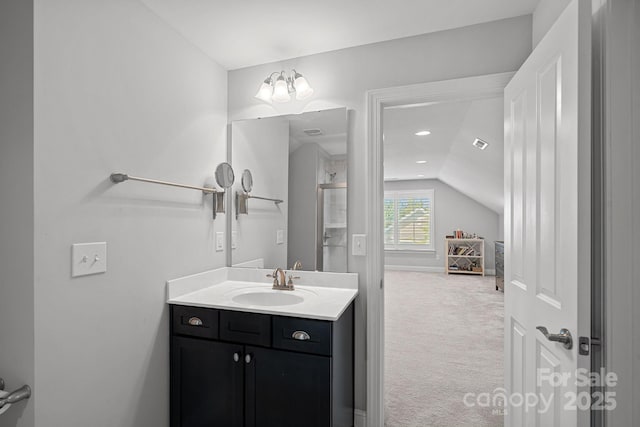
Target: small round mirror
[
  {"x": 247, "y": 181},
  {"x": 225, "y": 175}
]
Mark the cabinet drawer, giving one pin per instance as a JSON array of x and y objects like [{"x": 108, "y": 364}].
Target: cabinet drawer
[
  {"x": 245, "y": 328},
  {"x": 194, "y": 321},
  {"x": 305, "y": 335}
]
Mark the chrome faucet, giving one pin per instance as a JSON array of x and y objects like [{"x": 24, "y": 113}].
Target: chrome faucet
[{"x": 280, "y": 280}]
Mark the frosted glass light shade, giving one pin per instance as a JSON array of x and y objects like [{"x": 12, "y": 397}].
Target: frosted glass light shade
[
  {"x": 265, "y": 92},
  {"x": 303, "y": 90},
  {"x": 280, "y": 91}
]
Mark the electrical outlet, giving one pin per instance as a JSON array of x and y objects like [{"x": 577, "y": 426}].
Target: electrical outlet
[
  {"x": 279, "y": 237},
  {"x": 219, "y": 241},
  {"x": 234, "y": 239},
  {"x": 88, "y": 258},
  {"x": 359, "y": 245}
]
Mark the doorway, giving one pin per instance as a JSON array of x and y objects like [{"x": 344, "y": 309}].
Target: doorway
[
  {"x": 436, "y": 92},
  {"x": 443, "y": 206}
]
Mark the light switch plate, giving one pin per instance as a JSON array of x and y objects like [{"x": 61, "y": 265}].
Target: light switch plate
[
  {"x": 234, "y": 239},
  {"x": 359, "y": 245},
  {"x": 279, "y": 237},
  {"x": 219, "y": 241},
  {"x": 88, "y": 258}
]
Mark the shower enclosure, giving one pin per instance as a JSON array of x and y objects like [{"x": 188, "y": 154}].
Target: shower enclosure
[{"x": 331, "y": 241}]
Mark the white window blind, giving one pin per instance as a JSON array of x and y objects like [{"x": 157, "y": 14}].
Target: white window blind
[{"x": 408, "y": 220}]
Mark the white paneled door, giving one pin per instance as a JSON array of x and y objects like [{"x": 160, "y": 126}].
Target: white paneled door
[{"x": 547, "y": 227}]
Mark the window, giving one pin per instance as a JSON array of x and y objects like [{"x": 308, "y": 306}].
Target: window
[{"x": 408, "y": 220}]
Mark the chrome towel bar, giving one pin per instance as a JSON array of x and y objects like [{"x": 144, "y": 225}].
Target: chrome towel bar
[
  {"x": 122, "y": 177},
  {"x": 242, "y": 206}
]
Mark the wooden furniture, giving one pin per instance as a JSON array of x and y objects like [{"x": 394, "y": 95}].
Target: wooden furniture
[
  {"x": 241, "y": 369},
  {"x": 464, "y": 256},
  {"x": 499, "y": 265}
]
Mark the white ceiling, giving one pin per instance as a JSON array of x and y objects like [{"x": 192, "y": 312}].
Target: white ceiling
[
  {"x": 332, "y": 123},
  {"x": 244, "y": 33},
  {"x": 448, "y": 150}
]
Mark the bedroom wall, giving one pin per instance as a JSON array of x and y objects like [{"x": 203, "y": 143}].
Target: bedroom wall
[{"x": 453, "y": 210}]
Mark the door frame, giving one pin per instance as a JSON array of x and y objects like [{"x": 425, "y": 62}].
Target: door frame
[{"x": 475, "y": 87}]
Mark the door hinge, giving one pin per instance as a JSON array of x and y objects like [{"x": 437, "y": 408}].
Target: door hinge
[{"x": 585, "y": 343}]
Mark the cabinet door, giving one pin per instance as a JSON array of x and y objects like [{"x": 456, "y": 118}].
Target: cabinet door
[
  {"x": 206, "y": 383},
  {"x": 287, "y": 389}
]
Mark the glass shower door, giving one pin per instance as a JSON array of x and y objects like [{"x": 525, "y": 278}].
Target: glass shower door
[{"x": 331, "y": 252}]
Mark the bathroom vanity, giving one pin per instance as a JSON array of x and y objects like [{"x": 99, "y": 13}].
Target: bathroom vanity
[{"x": 243, "y": 354}]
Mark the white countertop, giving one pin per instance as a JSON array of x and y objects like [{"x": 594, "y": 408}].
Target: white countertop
[{"x": 317, "y": 295}]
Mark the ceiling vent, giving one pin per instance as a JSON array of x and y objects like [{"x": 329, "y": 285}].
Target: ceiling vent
[
  {"x": 478, "y": 143},
  {"x": 313, "y": 132}
]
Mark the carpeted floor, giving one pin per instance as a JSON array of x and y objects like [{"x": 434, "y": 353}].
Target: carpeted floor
[{"x": 443, "y": 339}]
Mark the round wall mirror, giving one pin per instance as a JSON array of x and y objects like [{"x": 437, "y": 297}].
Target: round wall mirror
[
  {"x": 247, "y": 181},
  {"x": 225, "y": 175}
]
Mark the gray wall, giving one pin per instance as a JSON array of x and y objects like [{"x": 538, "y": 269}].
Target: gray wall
[
  {"x": 453, "y": 210},
  {"x": 342, "y": 78},
  {"x": 618, "y": 28},
  {"x": 545, "y": 14},
  {"x": 262, "y": 146},
  {"x": 303, "y": 205},
  {"x": 116, "y": 89},
  {"x": 16, "y": 205}
]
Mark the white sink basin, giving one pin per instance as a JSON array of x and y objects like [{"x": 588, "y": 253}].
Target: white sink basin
[
  {"x": 268, "y": 298},
  {"x": 317, "y": 295}
]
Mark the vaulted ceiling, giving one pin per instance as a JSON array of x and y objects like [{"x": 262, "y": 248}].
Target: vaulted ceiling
[{"x": 448, "y": 151}]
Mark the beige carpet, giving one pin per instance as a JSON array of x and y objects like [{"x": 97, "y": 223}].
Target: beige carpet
[{"x": 443, "y": 339}]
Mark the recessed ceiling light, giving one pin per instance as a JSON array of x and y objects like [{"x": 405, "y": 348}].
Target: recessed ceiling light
[
  {"x": 478, "y": 143},
  {"x": 421, "y": 176},
  {"x": 423, "y": 133},
  {"x": 421, "y": 162}
]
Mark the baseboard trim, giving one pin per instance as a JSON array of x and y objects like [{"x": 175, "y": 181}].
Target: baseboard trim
[
  {"x": 488, "y": 272},
  {"x": 414, "y": 268},
  {"x": 360, "y": 418}
]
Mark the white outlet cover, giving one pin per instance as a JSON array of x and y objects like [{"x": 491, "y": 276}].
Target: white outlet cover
[
  {"x": 219, "y": 241},
  {"x": 359, "y": 245},
  {"x": 234, "y": 239},
  {"x": 279, "y": 237},
  {"x": 88, "y": 258}
]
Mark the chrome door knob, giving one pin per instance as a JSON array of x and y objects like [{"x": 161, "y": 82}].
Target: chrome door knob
[{"x": 563, "y": 337}]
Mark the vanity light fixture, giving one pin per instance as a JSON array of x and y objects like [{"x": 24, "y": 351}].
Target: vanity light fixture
[
  {"x": 478, "y": 143},
  {"x": 279, "y": 86},
  {"x": 423, "y": 133}
]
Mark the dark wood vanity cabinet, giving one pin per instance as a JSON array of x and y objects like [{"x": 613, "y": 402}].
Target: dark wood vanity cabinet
[{"x": 249, "y": 370}]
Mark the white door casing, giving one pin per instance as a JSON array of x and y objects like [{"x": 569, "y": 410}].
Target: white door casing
[
  {"x": 467, "y": 88},
  {"x": 547, "y": 224}
]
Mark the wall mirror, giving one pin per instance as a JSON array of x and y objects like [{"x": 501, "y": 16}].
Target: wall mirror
[{"x": 296, "y": 182}]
